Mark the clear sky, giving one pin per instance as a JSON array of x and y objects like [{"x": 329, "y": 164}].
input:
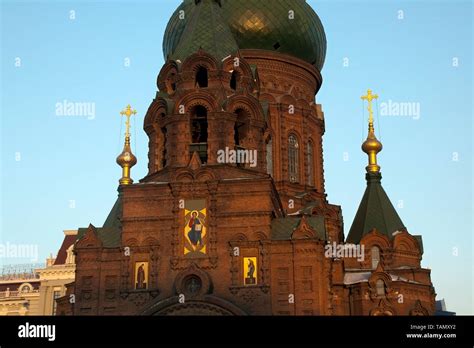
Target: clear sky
[{"x": 58, "y": 172}]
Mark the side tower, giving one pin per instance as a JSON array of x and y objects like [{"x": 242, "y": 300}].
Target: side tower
[{"x": 390, "y": 279}]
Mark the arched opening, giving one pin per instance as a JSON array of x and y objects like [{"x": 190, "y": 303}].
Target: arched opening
[
  {"x": 171, "y": 83},
  {"x": 199, "y": 132},
  {"x": 199, "y": 124},
  {"x": 382, "y": 313},
  {"x": 164, "y": 152},
  {"x": 380, "y": 287},
  {"x": 209, "y": 306},
  {"x": 25, "y": 288},
  {"x": 270, "y": 156},
  {"x": 201, "y": 77},
  {"x": 240, "y": 132},
  {"x": 310, "y": 164},
  {"x": 240, "y": 127},
  {"x": 375, "y": 256},
  {"x": 192, "y": 284},
  {"x": 234, "y": 80},
  {"x": 293, "y": 159}
]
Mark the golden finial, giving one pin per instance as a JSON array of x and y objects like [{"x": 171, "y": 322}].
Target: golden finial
[
  {"x": 128, "y": 112},
  {"x": 127, "y": 159},
  {"x": 371, "y": 145}
]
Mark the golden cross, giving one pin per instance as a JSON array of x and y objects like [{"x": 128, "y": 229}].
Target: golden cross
[
  {"x": 369, "y": 97},
  {"x": 128, "y": 111}
]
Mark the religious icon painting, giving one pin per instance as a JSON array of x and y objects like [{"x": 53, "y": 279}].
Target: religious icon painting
[
  {"x": 195, "y": 227},
  {"x": 141, "y": 275},
  {"x": 250, "y": 270}
]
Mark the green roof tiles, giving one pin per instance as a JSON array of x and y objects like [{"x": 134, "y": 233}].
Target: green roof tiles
[
  {"x": 286, "y": 26},
  {"x": 111, "y": 233},
  {"x": 282, "y": 228},
  {"x": 375, "y": 211},
  {"x": 205, "y": 29}
]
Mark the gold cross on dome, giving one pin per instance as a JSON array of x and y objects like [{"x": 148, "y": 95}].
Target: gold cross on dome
[
  {"x": 128, "y": 112},
  {"x": 369, "y": 97}
]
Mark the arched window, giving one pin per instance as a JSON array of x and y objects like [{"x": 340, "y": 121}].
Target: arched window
[
  {"x": 310, "y": 164},
  {"x": 199, "y": 124},
  {"x": 199, "y": 132},
  {"x": 380, "y": 287},
  {"x": 201, "y": 77},
  {"x": 170, "y": 83},
  {"x": 234, "y": 79},
  {"x": 25, "y": 288},
  {"x": 375, "y": 256},
  {"x": 240, "y": 127},
  {"x": 270, "y": 156},
  {"x": 240, "y": 132},
  {"x": 163, "y": 158},
  {"x": 192, "y": 284},
  {"x": 293, "y": 160}
]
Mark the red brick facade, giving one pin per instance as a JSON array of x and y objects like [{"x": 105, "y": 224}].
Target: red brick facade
[{"x": 263, "y": 214}]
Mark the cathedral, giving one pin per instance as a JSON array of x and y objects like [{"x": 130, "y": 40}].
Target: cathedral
[{"x": 232, "y": 217}]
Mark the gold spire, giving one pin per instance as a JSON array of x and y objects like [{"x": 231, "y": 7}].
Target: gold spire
[
  {"x": 371, "y": 145},
  {"x": 127, "y": 159}
]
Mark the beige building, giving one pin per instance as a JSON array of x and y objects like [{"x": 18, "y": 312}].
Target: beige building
[
  {"x": 19, "y": 291},
  {"x": 56, "y": 275},
  {"x": 28, "y": 290}
]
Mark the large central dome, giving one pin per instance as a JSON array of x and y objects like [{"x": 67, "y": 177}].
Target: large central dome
[{"x": 262, "y": 24}]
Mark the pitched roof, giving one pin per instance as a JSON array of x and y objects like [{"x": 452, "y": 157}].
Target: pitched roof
[
  {"x": 69, "y": 239},
  {"x": 205, "y": 29},
  {"x": 111, "y": 232},
  {"x": 375, "y": 211},
  {"x": 282, "y": 228}
]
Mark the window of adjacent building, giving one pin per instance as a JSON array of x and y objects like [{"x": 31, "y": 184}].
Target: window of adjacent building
[
  {"x": 25, "y": 288},
  {"x": 201, "y": 77},
  {"x": 293, "y": 160},
  {"x": 310, "y": 164},
  {"x": 375, "y": 256},
  {"x": 56, "y": 294},
  {"x": 380, "y": 286}
]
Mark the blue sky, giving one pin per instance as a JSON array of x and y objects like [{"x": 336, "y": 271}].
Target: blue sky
[{"x": 59, "y": 172}]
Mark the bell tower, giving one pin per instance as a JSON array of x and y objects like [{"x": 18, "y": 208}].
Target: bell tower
[
  {"x": 206, "y": 105},
  {"x": 207, "y": 100},
  {"x": 226, "y": 87}
]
